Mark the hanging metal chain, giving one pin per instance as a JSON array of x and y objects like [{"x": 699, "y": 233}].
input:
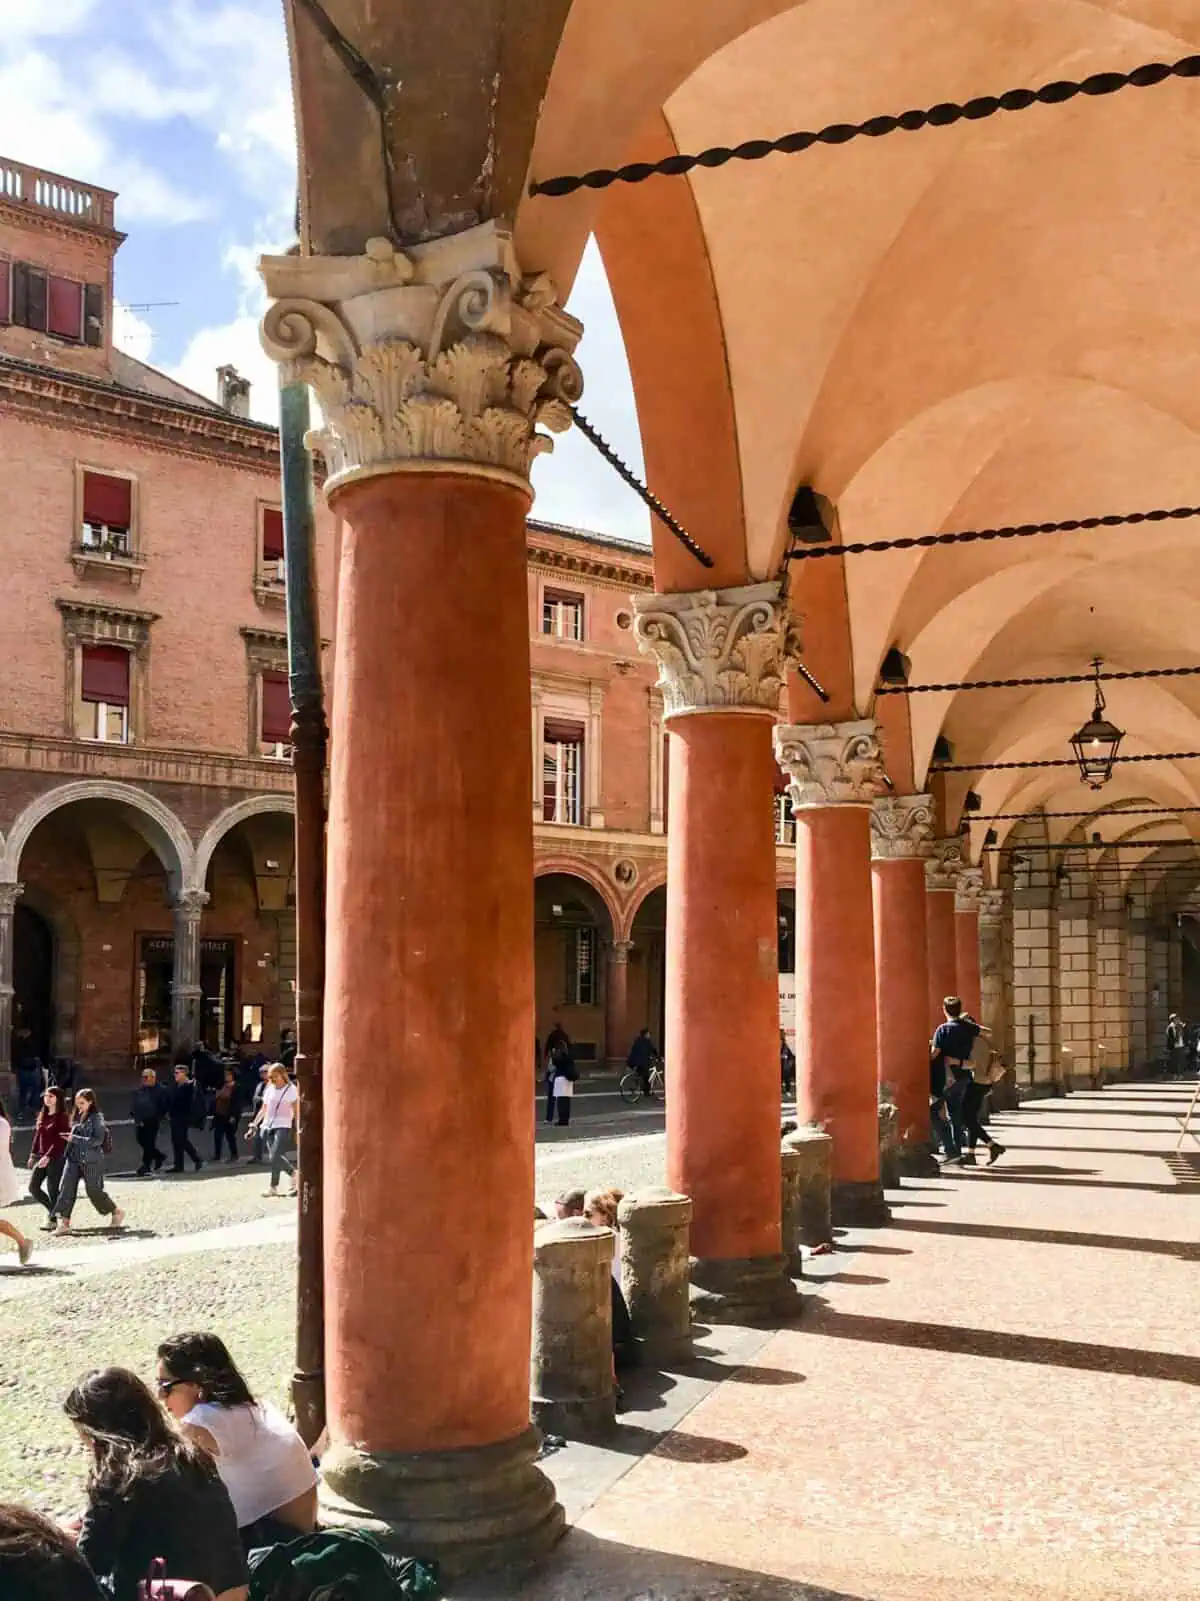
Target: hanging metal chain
[
  {"x": 1016, "y": 531},
  {"x": 1033, "y": 683},
  {"x": 1061, "y": 761},
  {"x": 667, "y": 518},
  {"x": 944, "y": 115},
  {"x": 1126, "y": 811}
]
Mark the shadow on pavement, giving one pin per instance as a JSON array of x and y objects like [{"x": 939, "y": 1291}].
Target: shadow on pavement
[{"x": 1185, "y": 1250}]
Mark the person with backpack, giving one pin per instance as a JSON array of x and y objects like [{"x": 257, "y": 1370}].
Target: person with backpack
[
  {"x": 953, "y": 1042},
  {"x": 89, "y": 1143},
  {"x": 185, "y": 1112}
]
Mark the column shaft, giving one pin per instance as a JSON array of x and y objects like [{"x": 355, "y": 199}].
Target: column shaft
[
  {"x": 430, "y": 939},
  {"x": 836, "y": 1083},
  {"x": 722, "y": 1026},
  {"x": 966, "y": 962},
  {"x": 185, "y": 971},
  {"x": 901, "y": 993},
  {"x": 616, "y": 1002},
  {"x": 9, "y": 895},
  {"x": 942, "y": 939}
]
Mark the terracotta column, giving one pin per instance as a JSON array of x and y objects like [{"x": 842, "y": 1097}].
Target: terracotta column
[
  {"x": 720, "y": 657},
  {"x": 941, "y": 881},
  {"x": 901, "y": 828},
  {"x": 836, "y": 773},
  {"x": 10, "y": 894},
  {"x": 616, "y": 1001},
  {"x": 432, "y": 369},
  {"x": 185, "y": 970},
  {"x": 968, "y": 896}
]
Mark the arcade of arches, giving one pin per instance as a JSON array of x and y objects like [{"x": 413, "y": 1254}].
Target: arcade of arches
[{"x": 955, "y": 329}]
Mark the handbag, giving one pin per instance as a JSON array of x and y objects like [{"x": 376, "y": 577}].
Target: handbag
[{"x": 157, "y": 1587}]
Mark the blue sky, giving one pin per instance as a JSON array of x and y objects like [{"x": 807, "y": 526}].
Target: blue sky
[{"x": 184, "y": 108}]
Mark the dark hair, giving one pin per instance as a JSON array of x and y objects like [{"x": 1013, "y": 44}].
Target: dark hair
[
  {"x": 60, "y": 1109},
  {"x": 952, "y": 1006},
  {"x": 38, "y": 1562},
  {"x": 204, "y": 1360},
  {"x": 94, "y": 1103},
  {"x": 571, "y": 1201},
  {"x": 130, "y": 1433}
]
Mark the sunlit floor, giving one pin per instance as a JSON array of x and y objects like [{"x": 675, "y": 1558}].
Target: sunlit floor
[{"x": 995, "y": 1397}]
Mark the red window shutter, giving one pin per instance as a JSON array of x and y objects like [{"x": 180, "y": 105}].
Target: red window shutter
[
  {"x": 5, "y": 290},
  {"x": 106, "y": 674},
  {"x": 65, "y": 308},
  {"x": 557, "y": 731},
  {"x": 272, "y": 534},
  {"x": 107, "y": 500},
  {"x": 29, "y": 296},
  {"x": 276, "y": 709}
]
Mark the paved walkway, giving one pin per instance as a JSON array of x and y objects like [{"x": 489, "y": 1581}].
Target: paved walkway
[{"x": 994, "y": 1398}]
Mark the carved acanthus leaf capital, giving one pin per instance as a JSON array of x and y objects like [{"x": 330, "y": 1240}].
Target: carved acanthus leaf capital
[
  {"x": 968, "y": 890},
  {"x": 717, "y": 649},
  {"x": 945, "y": 862},
  {"x": 901, "y": 827},
  {"x": 991, "y": 907},
  {"x": 10, "y": 894},
  {"x": 191, "y": 902},
  {"x": 440, "y": 354},
  {"x": 831, "y": 764}
]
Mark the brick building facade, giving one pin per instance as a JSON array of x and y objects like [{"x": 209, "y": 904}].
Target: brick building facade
[{"x": 145, "y": 792}]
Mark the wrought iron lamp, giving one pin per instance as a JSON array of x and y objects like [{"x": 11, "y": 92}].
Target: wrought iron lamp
[{"x": 1097, "y": 742}]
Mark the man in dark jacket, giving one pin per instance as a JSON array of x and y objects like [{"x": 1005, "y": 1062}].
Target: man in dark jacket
[
  {"x": 149, "y": 1104},
  {"x": 642, "y": 1056},
  {"x": 181, "y": 1109}
]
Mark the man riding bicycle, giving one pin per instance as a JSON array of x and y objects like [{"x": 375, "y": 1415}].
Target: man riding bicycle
[{"x": 643, "y": 1055}]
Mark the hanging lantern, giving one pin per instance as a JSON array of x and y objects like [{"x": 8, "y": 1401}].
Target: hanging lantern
[{"x": 1097, "y": 742}]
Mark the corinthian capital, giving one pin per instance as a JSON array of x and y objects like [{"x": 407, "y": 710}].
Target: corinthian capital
[
  {"x": 991, "y": 907},
  {"x": 10, "y": 894},
  {"x": 946, "y": 862},
  {"x": 439, "y": 354},
  {"x": 901, "y": 827},
  {"x": 968, "y": 890},
  {"x": 717, "y": 649},
  {"x": 831, "y": 764}
]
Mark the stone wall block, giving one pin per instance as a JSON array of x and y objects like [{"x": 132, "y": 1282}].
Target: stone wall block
[
  {"x": 807, "y": 1155},
  {"x": 571, "y": 1385},
  {"x": 655, "y": 1254}
]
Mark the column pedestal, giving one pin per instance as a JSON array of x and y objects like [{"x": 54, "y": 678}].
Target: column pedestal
[
  {"x": 901, "y": 827},
  {"x": 835, "y": 773},
  {"x": 720, "y": 659}
]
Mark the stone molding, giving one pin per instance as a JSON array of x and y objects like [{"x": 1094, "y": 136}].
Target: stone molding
[
  {"x": 191, "y": 902},
  {"x": 10, "y": 894},
  {"x": 944, "y": 864},
  {"x": 968, "y": 891},
  {"x": 716, "y": 649},
  {"x": 991, "y": 907},
  {"x": 442, "y": 355},
  {"x": 901, "y": 827},
  {"x": 831, "y": 764}
]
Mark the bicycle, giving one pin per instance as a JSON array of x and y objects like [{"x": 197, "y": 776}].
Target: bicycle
[{"x": 633, "y": 1090}]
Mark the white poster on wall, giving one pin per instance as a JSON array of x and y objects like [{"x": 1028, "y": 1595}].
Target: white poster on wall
[{"x": 787, "y": 1007}]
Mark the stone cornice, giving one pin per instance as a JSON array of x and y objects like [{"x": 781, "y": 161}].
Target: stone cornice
[
  {"x": 140, "y": 764},
  {"x": 22, "y": 215},
  {"x": 592, "y": 564},
  {"x": 69, "y": 401}
]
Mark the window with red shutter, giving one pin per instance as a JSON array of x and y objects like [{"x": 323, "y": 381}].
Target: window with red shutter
[
  {"x": 272, "y": 534},
  {"x": 64, "y": 314},
  {"x": 105, "y": 675},
  {"x": 276, "y": 709},
  {"x": 29, "y": 296},
  {"x": 108, "y": 500},
  {"x": 5, "y": 290},
  {"x": 562, "y": 771}
]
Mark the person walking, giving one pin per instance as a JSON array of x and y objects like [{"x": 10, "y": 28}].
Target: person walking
[
  {"x": 557, "y": 1041},
  {"x": 147, "y": 1108},
  {"x": 184, "y": 1106},
  {"x": 787, "y": 1066},
  {"x": 277, "y": 1118},
  {"x": 562, "y": 1087},
  {"x": 48, "y": 1155},
  {"x": 227, "y": 1109},
  {"x": 1176, "y": 1041},
  {"x": 953, "y": 1041},
  {"x": 87, "y": 1147},
  {"x": 11, "y": 1189}
]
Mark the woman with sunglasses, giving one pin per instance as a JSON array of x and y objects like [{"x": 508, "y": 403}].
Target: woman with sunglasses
[
  {"x": 151, "y": 1493},
  {"x": 265, "y": 1465}
]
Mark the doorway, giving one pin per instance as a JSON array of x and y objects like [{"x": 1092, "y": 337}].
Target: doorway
[{"x": 33, "y": 985}]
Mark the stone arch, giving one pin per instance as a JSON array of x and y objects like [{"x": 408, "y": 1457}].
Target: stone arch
[
  {"x": 651, "y": 879},
  {"x": 252, "y": 806},
  {"x": 573, "y": 867},
  {"x": 154, "y": 820}
]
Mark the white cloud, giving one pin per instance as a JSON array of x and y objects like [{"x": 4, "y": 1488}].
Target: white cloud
[
  {"x": 131, "y": 333},
  {"x": 234, "y": 344},
  {"x": 575, "y": 485},
  {"x": 38, "y": 19}
]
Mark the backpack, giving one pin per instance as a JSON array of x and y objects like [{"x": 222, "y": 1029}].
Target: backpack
[
  {"x": 106, "y": 1141},
  {"x": 338, "y": 1565}
]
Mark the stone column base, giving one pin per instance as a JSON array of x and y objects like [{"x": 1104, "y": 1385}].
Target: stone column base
[
  {"x": 859, "y": 1206},
  {"x": 586, "y": 1419},
  {"x": 917, "y": 1161},
  {"x": 748, "y": 1290},
  {"x": 471, "y": 1510}
]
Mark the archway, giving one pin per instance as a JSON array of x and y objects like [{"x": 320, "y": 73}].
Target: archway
[
  {"x": 648, "y": 964},
  {"x": 573, "y": 946},
  {"x": 34, "y": 970}
]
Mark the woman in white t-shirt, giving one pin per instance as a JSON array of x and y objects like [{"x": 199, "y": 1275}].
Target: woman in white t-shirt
[
  {"x": 262, "y": 1461},
  {"x": 276, "y": 1118}
]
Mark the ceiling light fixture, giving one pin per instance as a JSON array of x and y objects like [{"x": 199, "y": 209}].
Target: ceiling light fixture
[{"x": 1097, "y": 742}]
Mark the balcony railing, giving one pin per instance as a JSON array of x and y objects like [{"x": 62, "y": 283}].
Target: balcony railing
[{"x": 50, "y": 191}]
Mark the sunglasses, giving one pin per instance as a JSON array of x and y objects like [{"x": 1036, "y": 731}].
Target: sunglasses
[{"x": 165, "y": 1386}]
